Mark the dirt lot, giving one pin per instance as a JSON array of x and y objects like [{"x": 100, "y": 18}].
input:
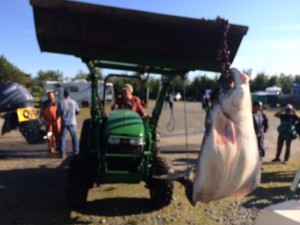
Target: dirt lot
[{"x": 32, "y": 182}]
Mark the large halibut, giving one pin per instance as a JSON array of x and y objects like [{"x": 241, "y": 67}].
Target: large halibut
[{"x": 228, "y": 164}]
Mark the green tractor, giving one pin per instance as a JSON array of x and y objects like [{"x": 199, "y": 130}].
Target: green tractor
[
  {"x": 119, "y": 148},
  {"x": 122, "y": 147}
]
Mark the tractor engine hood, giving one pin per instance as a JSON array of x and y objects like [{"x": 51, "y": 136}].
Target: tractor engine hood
[{"x": 125, "y": 123}]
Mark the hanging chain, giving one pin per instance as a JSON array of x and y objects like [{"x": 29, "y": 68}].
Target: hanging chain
[{"x": 223, "y": 63}]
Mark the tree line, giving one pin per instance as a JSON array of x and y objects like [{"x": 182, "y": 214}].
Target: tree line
[{"x": 192, "y": 88}]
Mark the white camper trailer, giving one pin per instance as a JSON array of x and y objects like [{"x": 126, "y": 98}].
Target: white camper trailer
[
  {"x": 274, "y": 90},
  {"x": 80, "y": 91}
]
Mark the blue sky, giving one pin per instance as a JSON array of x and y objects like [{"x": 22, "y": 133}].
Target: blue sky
[{"x": 272, "y": 44}]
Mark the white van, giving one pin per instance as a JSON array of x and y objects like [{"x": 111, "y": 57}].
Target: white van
[{"x": 80, "y": 91}]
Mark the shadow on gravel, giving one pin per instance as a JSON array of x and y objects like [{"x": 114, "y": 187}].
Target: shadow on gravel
[
  {"x": 35, "y": 196},
  {"x": 281, "y": 176},
  {"x": 184, "y": 161},
  {"x": 263, "y": 197},
  {"x": 118, "y": 207},
  {"x": 178, "y": 152},
  {"x": 27, "y": 154}
]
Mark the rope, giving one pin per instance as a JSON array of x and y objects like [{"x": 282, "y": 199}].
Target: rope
[
  {"x": 185, "y": 124},
  {"x": 171, "y": 123}
]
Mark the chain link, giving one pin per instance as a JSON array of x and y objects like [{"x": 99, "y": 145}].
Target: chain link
[{"x": 223, "y": 63}]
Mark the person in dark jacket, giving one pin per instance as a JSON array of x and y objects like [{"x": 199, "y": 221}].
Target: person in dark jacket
[
  {"x": 265, "y": 118},
  {"x": 287, "y": 131},
  {"x": 258, "y": 121}
]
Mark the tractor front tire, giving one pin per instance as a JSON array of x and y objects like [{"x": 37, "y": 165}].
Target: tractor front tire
[
  {"x": 161, "y": 191},
  {"x": 82, "y": 175}
]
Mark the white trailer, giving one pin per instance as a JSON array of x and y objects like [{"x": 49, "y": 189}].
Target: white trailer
[
  {"x": 80, "y": 91},
  {"x": 274, "y": 90}
]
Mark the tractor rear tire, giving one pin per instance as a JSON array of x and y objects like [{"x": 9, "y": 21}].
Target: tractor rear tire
[
  {"x": 161, "y": 191},
  {"x": 82, "y": 175}
]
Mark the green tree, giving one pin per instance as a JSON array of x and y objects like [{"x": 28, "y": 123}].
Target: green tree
[
  {"x": 9, "y": 72},
  {"x": 81, "y": 75},
  {"x": 153, "y": 84},
  {"x": 201, "y": 83},
  {"x": 49, "y": 75},
  {"x": 259, "y": 83},
  {"x": 37, "y": 91},
  {"x": 297, "y": 79},
  {"x": 286, "y": 82},
  {"x": 273, "y": 81},
  {"x": 178, "y": 86}
]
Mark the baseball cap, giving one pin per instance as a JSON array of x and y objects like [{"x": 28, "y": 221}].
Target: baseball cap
[
  {"x": 289, "y": 106},
  {"x": 128, "y": 87}
]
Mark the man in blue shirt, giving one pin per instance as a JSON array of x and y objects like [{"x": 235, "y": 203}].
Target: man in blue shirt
[{"x": 68, "y": 109}]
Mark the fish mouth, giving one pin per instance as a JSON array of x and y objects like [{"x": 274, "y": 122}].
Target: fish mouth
[
  {"x": 233, "y": 79},
  {"x": 238, "y": 78}
]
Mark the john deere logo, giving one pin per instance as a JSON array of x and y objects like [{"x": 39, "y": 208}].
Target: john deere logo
[{"x": 26, "y": 114}]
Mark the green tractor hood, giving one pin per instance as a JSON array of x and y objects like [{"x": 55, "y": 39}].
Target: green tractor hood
[{"x": 125, "y": 123}]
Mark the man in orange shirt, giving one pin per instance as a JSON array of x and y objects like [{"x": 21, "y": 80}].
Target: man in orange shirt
[
  {"x": 53, "y": 123},
  {"x": 129, "y": 101}
]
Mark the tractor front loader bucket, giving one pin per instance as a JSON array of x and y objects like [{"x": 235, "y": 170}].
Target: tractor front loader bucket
[{"x": 127, "y": 36}]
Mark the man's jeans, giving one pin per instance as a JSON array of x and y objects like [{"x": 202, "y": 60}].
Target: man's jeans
[{"x": 73, "y": 132}]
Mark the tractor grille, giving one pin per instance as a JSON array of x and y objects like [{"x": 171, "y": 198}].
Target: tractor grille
[{"x": 127, "y": 157}]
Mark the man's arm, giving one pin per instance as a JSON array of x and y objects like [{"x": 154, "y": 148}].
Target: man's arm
[
  {"x": 116, "y": 103},
  {"x": 76, "y": 108},
  {"x": 140, "y": 108},
  {"x": 279, "y": 113},
  {"x": 58, "y": 111},
  {"x": 296, "y": 114},
  {"x": 265, "y": 123}
]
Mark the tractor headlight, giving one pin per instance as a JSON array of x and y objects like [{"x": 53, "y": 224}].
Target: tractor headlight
[
  {"x": 114, "y": 140},
  {"x": 136, "y": 141}
]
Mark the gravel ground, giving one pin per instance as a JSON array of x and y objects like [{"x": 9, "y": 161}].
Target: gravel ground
[{"x": 32, "y": 184}]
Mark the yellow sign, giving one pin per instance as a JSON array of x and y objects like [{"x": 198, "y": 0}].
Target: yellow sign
[{"x": 26, "y": 114}]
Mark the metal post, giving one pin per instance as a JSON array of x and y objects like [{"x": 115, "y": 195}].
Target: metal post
[{"x": 96, "y": 115}]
